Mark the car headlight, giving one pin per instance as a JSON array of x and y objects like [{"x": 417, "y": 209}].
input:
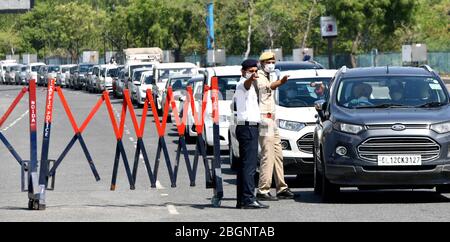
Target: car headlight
[
  {"x": 290, "y": 125},
  {"x": 349, "y": 128},
  {"x": 441, "y": 128}
]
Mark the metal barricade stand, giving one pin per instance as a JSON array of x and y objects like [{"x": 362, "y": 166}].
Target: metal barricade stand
[
  {"x": 200, "y": 149},
  {"x": 120, "y": 149},
  {"x": 77, "y": 136},
  {"x": 23, "y": 163}
]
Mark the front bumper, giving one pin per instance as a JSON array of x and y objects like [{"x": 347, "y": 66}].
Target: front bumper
[
  {"x": 352, "y": 170},
  {"x": 370, "y": 176}
]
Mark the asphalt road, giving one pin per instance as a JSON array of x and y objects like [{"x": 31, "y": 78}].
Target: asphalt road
[{"x": 78, "y": 197}]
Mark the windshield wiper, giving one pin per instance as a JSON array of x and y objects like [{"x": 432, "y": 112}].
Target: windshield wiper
[
  {"x": 432, "y": 105},
  {"x": 384, "y": 105}
]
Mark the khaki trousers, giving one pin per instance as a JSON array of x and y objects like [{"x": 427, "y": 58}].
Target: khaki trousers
[{"x": 271, "y": 157}]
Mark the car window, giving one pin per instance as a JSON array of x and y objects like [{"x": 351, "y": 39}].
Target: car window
[
  {"x": 54, "y": 69},
  {"x": 148, "y": 79},
  {"x": 383, "y": 92},
  {"x": 165, "y": 74},
  {"x": 301, "y": 92},
  {"x": 179, "y": 83},
  {"x": 227, "y": 86}
]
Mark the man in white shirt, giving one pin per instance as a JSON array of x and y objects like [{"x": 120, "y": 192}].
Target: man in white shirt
[{"x": 248, "y": 119}]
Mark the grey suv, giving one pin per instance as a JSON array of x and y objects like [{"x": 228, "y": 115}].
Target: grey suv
[{"x": 384, "y": 127}]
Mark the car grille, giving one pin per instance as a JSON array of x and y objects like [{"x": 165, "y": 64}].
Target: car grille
[
  {"x": 427, "y": 148},
  {"x": 389, "y": 126},
  {"x": 306, "y": 143}
]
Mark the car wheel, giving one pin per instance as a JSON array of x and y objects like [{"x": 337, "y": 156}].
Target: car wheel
[
  {"x": 443, "y": 189},
  {"x": 187, "y": 135},
  {"x": 233, "y": 158},
  {"x": 329, "y": 190}
]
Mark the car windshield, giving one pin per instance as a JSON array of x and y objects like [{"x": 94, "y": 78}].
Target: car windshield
[
  {"x": 301, "y": 92},
  {"x": 293, "y": 66},
  {"x": 137, "y": 75},
  {"x": 24, "y": 68},
  {"x": 179, "y": 83},
  {"x": 227, "y": 86},
  {"x": 35, "y": 68},
  {"x": 132, "y": 68},
  {"x": 148, "y": 80},
  {"x": 15, "y": 68},
  {"x": 54, "y": 68},
  {"x": 113, "y": 72},
  {"x": 391, "y": 92},
  {"x": 84, "y": 68},
  {"x": 167, "y": 73}
]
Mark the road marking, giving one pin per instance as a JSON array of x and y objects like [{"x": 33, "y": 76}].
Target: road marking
[
  {"x": 16, "y": 121},
  {"x": 159, "y": 186},
  {"x": 131, "y": 139},
  {"x": 164, "y": 195},
  {"x": 172, "y": 210}
]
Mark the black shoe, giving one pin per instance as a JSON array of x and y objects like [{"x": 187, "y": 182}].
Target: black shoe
[
  {"x": 266, "y": 197},
  {"x": 286, "y": 194},
  {"x": 255, "y": 205}
]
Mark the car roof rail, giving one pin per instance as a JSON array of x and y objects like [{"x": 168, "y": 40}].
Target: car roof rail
[
  {"x": 429, "y": 69},
  {"x": 344, "y": 69}
]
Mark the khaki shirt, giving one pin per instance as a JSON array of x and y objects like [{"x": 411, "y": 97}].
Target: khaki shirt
[{"x": 265, "y": 94}]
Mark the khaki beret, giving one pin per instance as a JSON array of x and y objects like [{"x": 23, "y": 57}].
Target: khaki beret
[{"x": 267, "y": 56}]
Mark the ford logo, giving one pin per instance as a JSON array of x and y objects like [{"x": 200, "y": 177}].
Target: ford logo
[{"x": 398, "y": 127}]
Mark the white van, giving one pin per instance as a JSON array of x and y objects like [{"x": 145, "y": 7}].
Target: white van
[
  {"x": 161, "y": 74},
  {"x": 5, "y": 66},
  {"x": 32, "y": 70},
  {"x": 296, "y": 118}
]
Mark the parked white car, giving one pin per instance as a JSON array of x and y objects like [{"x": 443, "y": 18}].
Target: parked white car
[
  {"x": 179, "y": 85},
  {"x": 62, "y": 78},
  {"x": 146, "y": 83},
  {"x": 161, "y": 74},
  {"x": 32, "y": 71},
  {"x": 296, "y": 118},
  {"x": 135, "y": 83}
]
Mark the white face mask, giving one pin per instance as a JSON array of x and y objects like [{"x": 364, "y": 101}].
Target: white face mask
[{"x": 269, "y": 68}]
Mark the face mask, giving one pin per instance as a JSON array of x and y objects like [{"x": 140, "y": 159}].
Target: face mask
[{"x": 269, "y": 68}]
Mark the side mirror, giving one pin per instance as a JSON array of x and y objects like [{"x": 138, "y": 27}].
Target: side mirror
[{"x": 321, "y": 106}]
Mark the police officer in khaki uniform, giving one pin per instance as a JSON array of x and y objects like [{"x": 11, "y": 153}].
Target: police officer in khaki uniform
[{"x": 269, "y": 137}]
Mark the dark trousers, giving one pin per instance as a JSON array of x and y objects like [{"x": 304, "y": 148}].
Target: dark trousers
[{"x": 248, "y": 155}]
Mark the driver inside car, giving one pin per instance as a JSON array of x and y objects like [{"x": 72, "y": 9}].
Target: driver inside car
[{"x": 361, "y": 93}]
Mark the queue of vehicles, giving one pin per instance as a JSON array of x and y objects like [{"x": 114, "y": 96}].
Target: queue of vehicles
[{"x": 342, "y": 128}]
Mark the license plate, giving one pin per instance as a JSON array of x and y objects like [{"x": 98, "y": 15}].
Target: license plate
[{"x": 399, "y": 160}]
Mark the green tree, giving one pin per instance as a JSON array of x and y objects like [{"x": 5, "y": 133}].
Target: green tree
[{"x": 363, "y": 23}]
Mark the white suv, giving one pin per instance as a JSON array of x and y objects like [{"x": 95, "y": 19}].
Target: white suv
[{"x": 296, "y": 118}]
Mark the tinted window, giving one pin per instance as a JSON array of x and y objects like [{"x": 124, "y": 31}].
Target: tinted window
[
  {"x": 391, "y": 91},
  {"x": 301, "y": 92},
  {"x": 148, "y": 80},
  {"x": 85, "y": 68},
  {"x": 35, "y": 68},
  {"x": 113, "y": 73},
  {"x": 54, "y": 68}
]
